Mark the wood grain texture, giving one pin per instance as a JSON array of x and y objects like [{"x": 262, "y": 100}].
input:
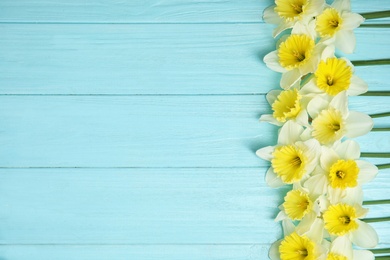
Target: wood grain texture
[
  {"x": 148, "y": 206},
  {"x": 151, "y": 11},
  {"x": 154, "y": 59},
  {"x": 147, "y": 131}
]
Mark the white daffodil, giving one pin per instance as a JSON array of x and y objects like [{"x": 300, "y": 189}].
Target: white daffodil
[
  {"x": 293, "y": 13},
  {"x": 291, "y": 159},
  {"x": 295, "y": 57},
  {"x": 286, "y": 105},
  {"x": 343, "y": 220},
  {"x": 332, "y": 76},
  {"x": 336, "y": 24},
  {"x": 297, "y": 246},
  {"x": 332, "y": 120},
  {"x": 341, "y": 173},
  {"x": 341, "y": 249}
]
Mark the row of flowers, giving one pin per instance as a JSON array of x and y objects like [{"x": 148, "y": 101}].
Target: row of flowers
[{"x": 321, "y": 214}]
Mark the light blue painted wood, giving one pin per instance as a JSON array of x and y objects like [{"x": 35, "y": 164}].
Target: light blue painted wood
[
  {"x": 146, "y": 131},
  {"x": 155, "y": 11},
  {"x": 154, "y": 59},
  {"x": 148, "y": 206}
]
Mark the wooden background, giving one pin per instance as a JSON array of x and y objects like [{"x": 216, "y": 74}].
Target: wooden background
[{"x": 128, "y": 128}]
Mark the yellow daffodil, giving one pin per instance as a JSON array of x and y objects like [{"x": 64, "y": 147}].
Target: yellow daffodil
[
  {"x": 332, "y": 120},
  {"x": 333, "y": 76},
  {"x": 293, "y": 13},
  {"x": 336, "y": 23},
  {"x": 295, "y": 57},
  {"x": 291, "y": 159},
  {"x": 342, "y": 219},
  {"x": 341, "y": 173},
  {"x": 286, "y": 105}
]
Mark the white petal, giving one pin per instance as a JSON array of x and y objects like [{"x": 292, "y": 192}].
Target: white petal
[
  {"x": 351, "y": 20},
  {"x": 272, "y": 62},
  {"x": 357, "y": 87},
  {"x": 302, "y": 118},
  {"x": 363, "y": 255},
  {"x": 288, "y": 227},
  {"x": 364, "y": 235},
  {"x": 272, "y": 179},
  {"x": 328, "y": 158},
  {"x": 270, "y": 119},
  {"x": 340, "y": 102},
  {"x": 367, "y": 171},
  {"x": 317, "y": 230},
  {"x": 312, "y": 151},
  {"x": 289, "y": 133},
  {"x": 270, "y": 16},
  {"x": 316, "y": 105},
  {"x": 358, "y": 124},
  {"x": 342, "y": 246},
  {"x": 311, "y": 88},
  {"x": 272, "y": 96},
  {"x": 317, "y": 184},
  {"x": 335, "y": 195},
  {"x": 266, "y": 152},
  {"x": 348, "y": 149},
  {"x": 345, "y": 41},
  {"x": 281, "y": 27},
  {"x": 342, "y": 5},
  {"x": 281, "y": 215},
  {"x": 274, "y": 251},
  {"x": 353, "y": 196},
  {"x": 289, "y": 78},
  {"x": 328, "y": 51}
]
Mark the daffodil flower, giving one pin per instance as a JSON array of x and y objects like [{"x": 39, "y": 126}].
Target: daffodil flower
[
  {"x": 286, "y": 105},
  {"x": 343, "y": 220},
  {"x": 333, "y": 76},
  {"x": 291, "y": 159},
  {"x": 295, "y": 57},
  {"x": 332, "y": 120},
  {"x": 341, "y": 173},
  {"x": 336, "y": 24},
  {"x": 297, "y": 246},
  {"x": 341, "y": 249},
  {"x": 292, "y": 13}
]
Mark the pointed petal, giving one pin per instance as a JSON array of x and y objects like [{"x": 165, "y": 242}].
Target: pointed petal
[
  {"x": 367, "y": 171},
  {"x": 340, "y": 102},
  {"x": 357, "y": 87},
  {"x": 272, "y": 96},
  {"x": 271, "y": 60},
  {"x": 270, "y": 16},
  {"x": 288, "y": 227},
  {"x": 311, "y": 88},
  {"x": 358, "y": 124},
  {"x": 345, "y": 41},
  {"x": 265, "y": 153},
  {"x": 353, "y": 196},
  {"x": 272, "y": 179},
  {"x": 364, "y": 235},
  {"x": 363, "y": 255},
  {"x": 342, "y": 246},
  {"x": 349, "y": 149},
  {"x": 290, "y": 133},
  {"x": 351, "y": 20},
  {"x": 316, "y": 105},
  {"x": 342, "y": 5},
  {"x": 270, "y": 119},
  {"x": 289, "y": 78},
  {"x": 328, "y": 158},
  {"x": 317, "y": 184},
  {"x": 274, "y": 250}
]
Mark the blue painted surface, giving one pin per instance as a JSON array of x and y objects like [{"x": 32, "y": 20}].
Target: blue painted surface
[{"x": 128, "y": 129}]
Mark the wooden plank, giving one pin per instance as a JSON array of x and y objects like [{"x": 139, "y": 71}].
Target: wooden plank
[
  {"x": 147, "y": 131},
  {"x": 139, "y": 252},
  {"x": 136, "y": 11},
  {"x": 154, "y": 59},
  {"x": 147, "y": 206}
]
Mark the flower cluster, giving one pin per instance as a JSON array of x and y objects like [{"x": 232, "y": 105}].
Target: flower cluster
[{"x": 315, "y": 154}]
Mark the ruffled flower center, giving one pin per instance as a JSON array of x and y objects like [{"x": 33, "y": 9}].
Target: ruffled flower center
[
  {"x": 295, "y": 51},
  {"x": 297, "y": 247},
  {"x": 289, "y": 163},
  {"x": 329, "y": 22},
  {"x": 333, "y": 256},
  {"x": 340, "y": 219},
  {"x": 287, "y": 105},
  {"x": 328, "y": 126},
  {"x": 333, "y": 76},
  {"x": 297, "y": 204},
  {"x": 290, "y": 9},
  {"x": 343, "y": 174}
]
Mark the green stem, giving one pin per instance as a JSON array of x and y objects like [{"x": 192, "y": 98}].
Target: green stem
[
  {"x": 380, "y": 250},
  {"x": 383, "y": 257},
  {"x": 383, "y": 166},
  {"x": 380, "y": 115},
  {"x": 376, "y": 93},
  {"x": 376, "y": 202},
  {"x": 376, "y": 15},
  {"x": 375, "y": 155},
  {"x": 371, "y": 62},
  {"x": 373, "y": 220},
  {"x": 382, "y": 129},
  {"x": 375, "y": 25}
]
